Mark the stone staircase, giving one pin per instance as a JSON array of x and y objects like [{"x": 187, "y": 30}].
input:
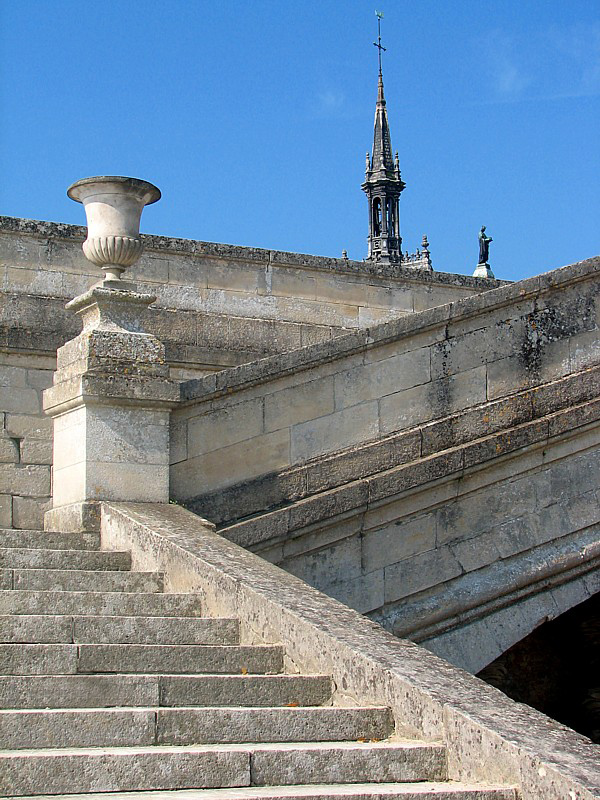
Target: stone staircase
[{"x": 109, "y": 685}]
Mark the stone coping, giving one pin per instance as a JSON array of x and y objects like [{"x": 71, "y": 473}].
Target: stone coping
[
  {"x": 273, "y": 367},
  {"x": 489, "y": 737},
  {"x": 168, "y": 244}
]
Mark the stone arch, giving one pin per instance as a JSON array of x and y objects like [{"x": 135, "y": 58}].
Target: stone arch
[
  {"x": 475, "y": 645},
  {"x": 556, "y": 669}
]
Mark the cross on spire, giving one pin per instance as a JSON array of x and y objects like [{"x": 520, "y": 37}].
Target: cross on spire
[{"x": 378, "y": 45}]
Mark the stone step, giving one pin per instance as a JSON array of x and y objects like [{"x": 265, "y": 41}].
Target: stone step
[
  {"x": 100, "y": 603},
  {"x": 178, "y": 659},
  {"x": 69, "y": 659},
  {"x": 46, "y": 628},
  {"x": 122, "y": 727},
  {"x": 97, "y": 691},
  {"x": 51, "y": 540},
  {"x": 159, "y": 767},
  {"x": 21, "y": 558},
  {"x": 353, "y": 791},
  {"x": 82, "y": 580}
]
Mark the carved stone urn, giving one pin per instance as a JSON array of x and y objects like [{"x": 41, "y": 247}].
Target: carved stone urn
[{"x": 113, "y": 207}]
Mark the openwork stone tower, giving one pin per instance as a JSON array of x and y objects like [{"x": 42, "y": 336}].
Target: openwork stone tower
[{"x": 383, "y": 184}]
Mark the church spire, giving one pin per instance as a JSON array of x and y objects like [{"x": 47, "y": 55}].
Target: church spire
[
  {"x": 382, "y": 141},
  {"x": 383, "y": 183}
]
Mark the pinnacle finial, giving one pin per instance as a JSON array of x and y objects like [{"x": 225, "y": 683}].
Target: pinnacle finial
[{"x": 378, "y": 45}]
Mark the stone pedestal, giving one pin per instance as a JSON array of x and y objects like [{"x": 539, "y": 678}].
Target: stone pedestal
[
  {"x": 110, "y": 404},
  {"x": 483, "y": 271}
]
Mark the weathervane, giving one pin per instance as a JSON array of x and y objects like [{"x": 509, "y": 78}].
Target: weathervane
[{"x": 378, "y": 45}]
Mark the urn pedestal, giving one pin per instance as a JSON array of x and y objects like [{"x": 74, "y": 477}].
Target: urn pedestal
[{"x": 111, "y": 396}]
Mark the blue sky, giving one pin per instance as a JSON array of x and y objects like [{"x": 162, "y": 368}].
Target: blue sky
[{"x": 253, "y": 118}]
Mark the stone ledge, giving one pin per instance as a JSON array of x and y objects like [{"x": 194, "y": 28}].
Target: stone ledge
[
  {"x": 290, "y": 520},
  {"x": 41, "y": 324},
  {"x": 168, "y": 244},
  {"x": 502, "y": 417},
  {"x": 428, "y": 696},
  {"x": 273, "y": 367},
  {"x": 501, "y": 584},
  {"x": 145, "y": 392}
]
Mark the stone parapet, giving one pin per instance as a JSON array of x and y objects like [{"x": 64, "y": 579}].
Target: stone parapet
[
  {"x": 316, "y": 401},
  {"x": 169, "y": 244},
  {"x": 214, "y": 279},
  {"x": 489, "y": 737},
  {"x": 489, "y": 431}
]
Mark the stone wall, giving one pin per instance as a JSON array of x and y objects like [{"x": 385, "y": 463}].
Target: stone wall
[
  {"x": 298, "y": 407},
  {"x": 25, "y": 440},
  {"x": 217, "y": 306},
  {"x": 43, "y": 258},
  {"x": 466, "y": 520}
]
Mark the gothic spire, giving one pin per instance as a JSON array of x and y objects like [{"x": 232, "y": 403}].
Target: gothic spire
[
  {"x": 383, "y": 183},
  {"x": 383, "y": 159}
]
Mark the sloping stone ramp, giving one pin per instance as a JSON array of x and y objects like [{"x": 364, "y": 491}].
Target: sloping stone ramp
[{"x": 109, "y": 685}]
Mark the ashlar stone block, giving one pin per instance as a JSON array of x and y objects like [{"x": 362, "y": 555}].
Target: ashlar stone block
[
  {"x": 217, "y": 429},
  {"x": 334, "y": 432},
  {"x": 381, "y": 378},
  {"x": 397, "y": 541},
  {"x": 412, "y": 575},
  {"x": 6, "y": 510},
  {"x": 299, "y": 404}
]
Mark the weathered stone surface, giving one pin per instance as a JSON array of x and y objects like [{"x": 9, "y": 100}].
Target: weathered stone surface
[
  {"x": 27, "y": 629},
  {"x": 17, "y": 558},
  {"x": 420, "y": 572},
  {"x": 298, "y": 404},
  {"x": 351, "y": 761},
  {"x": 6, "y": 502},
  {"x": 154, "y": 630},
  {"x": 105, "y": 603},
  {"x": 218, "y": 429},
  {"x": 211, "y": 725},
  {"x": 399, "y": 541},
  {"x": 244, "y": 690},
  {"x": 125, "y": 769},
  {"x": 78, "y": 691},
  {"x": 363, "y": 659},
  {"x": 28, "y": 512},
  {"x": 74, "y": 580},
  {"x": 9, "y": 450},
  {"x": 178, "y": 659},
  {"x": 36, "y": 451},
  {"x": 109, "y": 727},
  {"x": 34, "y": 659},
  {"x": 50, "y": 539},
  {"x": 334, "y": 432},
  {"x": 25, "y": 479}
]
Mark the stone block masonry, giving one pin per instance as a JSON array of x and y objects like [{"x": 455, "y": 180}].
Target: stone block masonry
[
  {"x": 420, "y": 467},
  {"x": 303, "y": 405},
  {"x": 25, "y": 440},
  {"x": 218, "y": 306},
  {"x": 287, "y": 289}
]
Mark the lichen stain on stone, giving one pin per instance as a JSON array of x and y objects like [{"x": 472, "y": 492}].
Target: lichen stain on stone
[{"x": 551, "y": 324}]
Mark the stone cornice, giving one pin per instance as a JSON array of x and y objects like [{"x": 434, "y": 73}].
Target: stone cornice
[{"x": 167, "y": 244}]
